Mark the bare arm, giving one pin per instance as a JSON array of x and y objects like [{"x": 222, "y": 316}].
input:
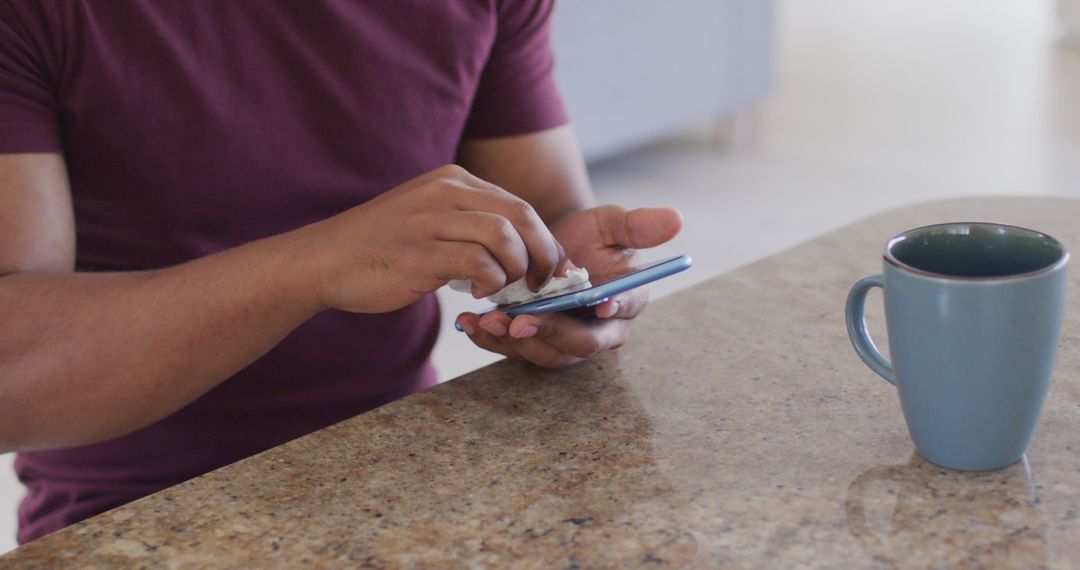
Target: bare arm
[
  {"x": 86, "y": 357},
  {"x": 545, "y": 169}
]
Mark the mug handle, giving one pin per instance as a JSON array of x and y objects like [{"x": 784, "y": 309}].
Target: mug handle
[{"x": 856, "y": 327}]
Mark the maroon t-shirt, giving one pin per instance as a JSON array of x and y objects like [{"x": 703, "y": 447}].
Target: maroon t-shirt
[{"x": 190, "y": 127}]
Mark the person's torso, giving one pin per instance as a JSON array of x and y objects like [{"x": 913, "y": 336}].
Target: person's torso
[
  {"x": 195, "y": 126},
  {"x": 191, "y": 127}
]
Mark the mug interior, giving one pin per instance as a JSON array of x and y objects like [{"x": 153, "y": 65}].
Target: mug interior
[{"x": 974, "y": 250}]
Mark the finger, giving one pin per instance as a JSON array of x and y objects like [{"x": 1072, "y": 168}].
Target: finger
[
  {"x": 565, "y": 264},
  {"x": 583, "y": 338},
  {"x": 491, "y": 343},
  {"x": 468, "y": 323},
  {"x": 641, "y": 228},
  {"x": 541, "y": 245},
  {"x": 535, "y": 351},
  {"x": 467, "y": 260},
  {"x": 608, "y": 309},
  {"x": 543, "y": 354},
  {"x": 624, "y": 306},
  {"x": 495, "y": 233},
  {"x": 495, "y": 323}
]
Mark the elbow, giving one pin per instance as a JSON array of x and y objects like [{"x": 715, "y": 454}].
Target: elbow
[
  {"x": 22, "y": 419},
  {"x": 10, "y": 441},
  {"x": 14, "y": 427}
]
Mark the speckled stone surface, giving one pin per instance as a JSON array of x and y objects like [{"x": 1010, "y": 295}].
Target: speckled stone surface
[{"x": 737, "y": 429}]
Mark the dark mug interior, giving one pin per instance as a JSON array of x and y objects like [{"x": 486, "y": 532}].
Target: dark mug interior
[{"x": 974, "y": 250}]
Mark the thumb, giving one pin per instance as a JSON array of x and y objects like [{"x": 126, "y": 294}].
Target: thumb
[
  {"x": 641, "y": 228},
  {"x": 565, "y": 263}
]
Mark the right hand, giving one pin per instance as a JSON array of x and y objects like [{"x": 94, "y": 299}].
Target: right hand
[{"x": 447, "y": 224}]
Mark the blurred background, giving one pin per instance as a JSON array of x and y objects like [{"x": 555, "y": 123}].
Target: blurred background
[{"x": 770, "y": 122}]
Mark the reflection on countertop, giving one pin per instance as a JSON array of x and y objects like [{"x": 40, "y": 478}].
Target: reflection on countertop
[{"x": 920, "y": 515}]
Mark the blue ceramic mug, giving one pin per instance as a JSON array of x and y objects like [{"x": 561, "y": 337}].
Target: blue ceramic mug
[{"x": 973, "y": 313}]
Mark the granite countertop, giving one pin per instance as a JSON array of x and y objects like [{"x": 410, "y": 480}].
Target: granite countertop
[{"x": 736, "y": 429}]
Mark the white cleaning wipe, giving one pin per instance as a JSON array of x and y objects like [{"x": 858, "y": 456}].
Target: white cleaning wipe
[{"x": 518, "y": 291}]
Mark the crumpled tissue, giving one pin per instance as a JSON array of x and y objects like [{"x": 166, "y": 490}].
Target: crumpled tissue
[{"x": 518, "y": 291}]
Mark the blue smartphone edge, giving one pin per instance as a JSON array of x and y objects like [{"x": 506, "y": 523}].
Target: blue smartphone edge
[{"x": 592, "y": 296}]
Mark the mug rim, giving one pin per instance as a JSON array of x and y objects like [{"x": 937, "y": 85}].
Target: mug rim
[{"x": 889, "y": 258}]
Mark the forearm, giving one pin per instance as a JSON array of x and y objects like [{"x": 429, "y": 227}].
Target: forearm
[
  {"x": 87, "y": 357},
  {"x": 545, "y": 169}
]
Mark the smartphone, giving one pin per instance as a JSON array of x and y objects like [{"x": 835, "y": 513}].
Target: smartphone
[{"x": 598, "y": 293}]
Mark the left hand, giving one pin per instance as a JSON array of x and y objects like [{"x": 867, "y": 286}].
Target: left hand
[{"x": 603, "y": 240}]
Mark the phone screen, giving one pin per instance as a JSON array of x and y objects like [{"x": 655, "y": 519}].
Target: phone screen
[{"x": 602, "y": 288}]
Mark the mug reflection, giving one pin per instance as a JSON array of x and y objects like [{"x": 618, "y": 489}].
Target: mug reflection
[{"x": 925, "y": 516}]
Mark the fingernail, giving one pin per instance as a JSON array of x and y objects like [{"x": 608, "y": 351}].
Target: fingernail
[
  {"x": 467, "y": 327},
  {"x": 528, "y": 331},
  {"x": 613, "y": 310},
  {"x": 496, "y": 328}
]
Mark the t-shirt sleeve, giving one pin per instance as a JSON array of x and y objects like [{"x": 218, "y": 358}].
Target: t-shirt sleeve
[
  {"x": 29, "y": 120},
  {"x": 517, "y": 92}
]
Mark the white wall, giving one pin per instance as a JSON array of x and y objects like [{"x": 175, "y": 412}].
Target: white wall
[{"x": 10, "y": 494}]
